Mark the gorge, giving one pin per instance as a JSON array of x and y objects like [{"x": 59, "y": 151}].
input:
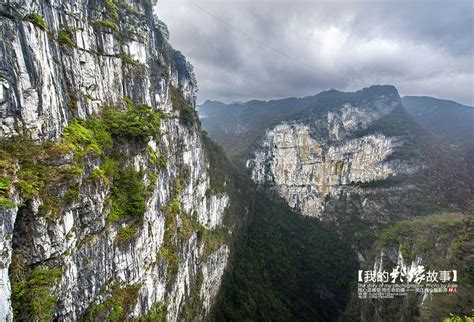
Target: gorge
[{"x": 116, "y": 203}]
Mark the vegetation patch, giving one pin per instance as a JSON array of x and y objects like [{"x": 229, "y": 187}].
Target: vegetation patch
[
  {"x": 47, "y": 169},
  {"x": 136, "y": 122},
  {"x": 157, "y": 313},
  {"x": 187, "y": 114},
  {"x": 33, "y": 298},
  {"x": 212, "y": 238},
  {"x": 6, "y": 203},
  {"x": 34, "y": 171},
  {"x": 65, "y": 37},
  {"x": 112, "y": 10},
  {"x": 5, "y": 185},
  {"x": 193, "y": 306},
  {"x": 175, "y": 206},
  {"x": 116, "y": 307},
  {"x": 127, "y": 195},
  {"x": 72, "y": 193},
  {"x": 129, "y": 60},
  {"x": 98, "y": 174},
  {"x": 152, "y": 177},
  {"x": 139, "y": 121},
  {"x": 109, "y": 24},
  {"x": 169, "y": 249},
  {"x": 162, "y": 161},
  {"x": 89, "y": 138},
  {"x": 129, "y": 9},
  {"x": 36, "y": 20},
  {"x": 126, "y": 235},
  {"x": 158, "y": 160},
  {"x": 186, "y": 228},
  {"x": 280, "y": 245}
]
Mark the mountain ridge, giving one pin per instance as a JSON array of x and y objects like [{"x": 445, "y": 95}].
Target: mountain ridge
[{"x": 449, "y": 120}]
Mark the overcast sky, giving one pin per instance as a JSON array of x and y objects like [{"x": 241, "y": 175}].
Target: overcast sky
[{"x": 244, "y": 50}]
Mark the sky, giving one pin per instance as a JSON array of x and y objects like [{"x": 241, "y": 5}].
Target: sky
[{"x": 244, "y": 50}]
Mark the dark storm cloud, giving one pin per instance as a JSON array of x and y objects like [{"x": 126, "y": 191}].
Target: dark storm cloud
[{"x": 244, "y": 50}]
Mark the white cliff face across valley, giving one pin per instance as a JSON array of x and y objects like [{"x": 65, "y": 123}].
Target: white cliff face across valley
[
  {"x": 313, "y": 160},
  {"x": 87, "y": 56}
]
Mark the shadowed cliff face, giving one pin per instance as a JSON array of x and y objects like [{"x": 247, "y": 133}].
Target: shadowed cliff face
[{"x": 107, "y": 208}]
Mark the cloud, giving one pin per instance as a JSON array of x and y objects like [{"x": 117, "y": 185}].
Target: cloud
[{"x": 246, "y": 50}]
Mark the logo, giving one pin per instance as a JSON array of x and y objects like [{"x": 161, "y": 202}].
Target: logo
[{"x": 400, "y": 280}]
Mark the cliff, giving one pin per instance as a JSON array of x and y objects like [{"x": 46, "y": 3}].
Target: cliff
[
  {"x": 317, "y": 157},
  {"x": 107, "y": 209},
  {"x": 360, "y": 165},
  {"x": 360, "y": 161}
]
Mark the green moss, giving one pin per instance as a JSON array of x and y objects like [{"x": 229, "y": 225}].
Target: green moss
[
  {"x": 5, "y": 185},
  {"x": 129, "y": 60},
  {"x": 6, "y": 203},
  {"x": 170, "y": 256},
  {"x": 98, "y": 174},
  {"x": 116, "y": 307},
  {"x": 175, "y": 206},
  {"x": 106, "y": 24},
  {"x": 32, "y": 298},
  {"x": 169, "y": 249},
  {"x": 157, "y": 313},
  {"x": 37, "y": 20},
  {"x": 77, "y": 133},
  {"x": 127, "y": 195},
  {"x": 178, "y": 187},
  {"x": 37, "y": 175},
  {"x": 65, "y": 37},
  {"x": 458, "y": 318},
  {"x": 186, "y": 229},
  {"x": 111, "y": 7},
  {"x": 162, "y": 161},
  {"x": 110, "y": 167},
  {"x": 88, "y": 137},
  {"x": 72, "y": 193},
  {"x": 126, "y": 234},
  {"x": 50, "y": 207},
  {"x": 128, "y": 101},
  {"x": 152, "y": 154},
  {"x": 152, "y": 177},
  {"x": 130, "y": 10}
]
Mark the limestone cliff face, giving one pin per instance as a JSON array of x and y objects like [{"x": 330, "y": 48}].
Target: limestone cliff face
[
  {"x": 316, "y": 158},
  {"x": 64, "y": 60}
]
